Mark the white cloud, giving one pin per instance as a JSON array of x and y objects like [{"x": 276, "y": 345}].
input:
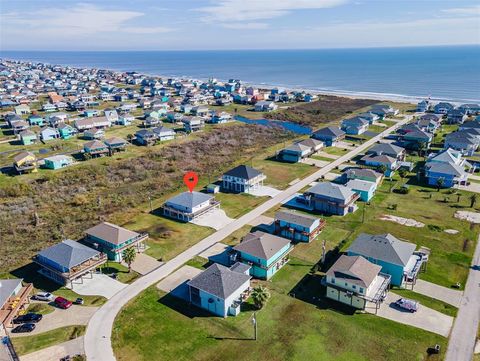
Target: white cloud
[
  {"x": 472, "y": 10},
  {"x": 227, "y": 11}
]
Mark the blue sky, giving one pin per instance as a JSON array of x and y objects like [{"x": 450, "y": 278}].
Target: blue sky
[{"x": 235, "y": 24}]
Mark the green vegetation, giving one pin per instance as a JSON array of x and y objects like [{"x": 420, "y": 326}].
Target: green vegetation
[
  {"x": 198, "y": 262},
  {"x": 41, "y": 308},
  {"x": 28, "y": 344},
  {"x": 426, "y": 301},
  {"x": 236, "y": 205},
  {"x": 304, "y": 327},
  {"x": 325, "y": 110},
  {"x": 122, "y": 272},
  {"x": 336, "y": 150}
]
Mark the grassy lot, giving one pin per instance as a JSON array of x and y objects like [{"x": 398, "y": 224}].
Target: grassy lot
[
  {"x": 319, "y": 157},
  {"x": 236, "y": 205},
  {"x": 28, "y": 344},
  {"x": 426, "y": 301},
  {"x": 304, "y": 327},
  {"x": 198, "y": 262},
  {"x": 279, "y": 174},
  {"x": 336, "y": 150},
  {"x": 41, "y": 307},
  {"x": 121, "y": 271},
  {"x": 451, "y": 254}
]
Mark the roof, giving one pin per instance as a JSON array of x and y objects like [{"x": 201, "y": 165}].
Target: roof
[
  {"x": 115, "y": 140},
  {"x": 244, "y": 172},
  {"x": 189, "y": 199},
  {"x": 446, "y": 156},
  {"x": 354, "y": 269},
  {"x": 58, "y": 157},
  {"x": 386, "y": 148},
  {"x": 384, "y": 247},
  {"x": 144, "y": 132},
  {"x": 297, "y": 147},
  {"x": 94, "y": 144},
  {"x": 6, "y": 289},
  {"x": 330, "y": 132},
  {"x": 360, "y": 185},
  {"x": 332, "y": 190},
  {"x": 445, "y": 168},
  {"x": 378, "y": 159},
  {"x": 261, "y": 245},
  {"x": 111, "y": 233},
  {"x": 69, "y": 253},
  {"x": 296, "y": 218},
  {"x": 219, "y": 281},
  {"x": 363, "y": 172},
  {"x": 23, "y": 155},
  {"x": 163, "y": 130},
  {"x": 310, "y": 142}
]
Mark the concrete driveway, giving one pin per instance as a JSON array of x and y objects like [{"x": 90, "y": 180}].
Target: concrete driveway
[
  {"x": 261, "y": 220},
  {"x": 176, "y": 283},
  {"x": 425, "y": 318},
  {"x": 265, "y": 191},
  {"x": 216, "y": 219},
  {"x": 56, "y": 352},
  {"x": 75, "y": 315},
  {"x": 447, "y": 295},
  {"x": 316, "y": 162},
  {"x": 99, "y": 285},
  {"x": 144, "y": 264},
  {"x": 472, "y": 187},
  {"x": 215, "y": 250}
]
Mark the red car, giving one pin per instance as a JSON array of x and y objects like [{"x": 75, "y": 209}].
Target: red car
[{"x": 62, "y": 303}]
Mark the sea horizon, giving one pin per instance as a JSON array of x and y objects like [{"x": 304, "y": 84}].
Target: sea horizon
[{"x": 450, "y": 72}]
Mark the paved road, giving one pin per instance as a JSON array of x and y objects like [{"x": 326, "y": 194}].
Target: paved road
[
  {"x": 464, "y": 332},
  {"x": 98, "y": 345},
  {"x": 448, "y": 295}
]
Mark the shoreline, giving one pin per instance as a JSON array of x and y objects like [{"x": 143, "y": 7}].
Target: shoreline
[{"x": 400, "y": 98}]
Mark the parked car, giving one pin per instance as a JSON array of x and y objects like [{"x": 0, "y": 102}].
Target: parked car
[
  {"x": 407, "y": 304},
  {"x": 43, "y": 296},
  {"x": 63, "y": 303},
  {"x": 25, "y": 327},
  {"x": 28, "y": 318},
  {"x": 78, "y": 301}
]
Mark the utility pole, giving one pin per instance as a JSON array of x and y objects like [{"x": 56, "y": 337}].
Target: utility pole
[
  {"x": 363, "y": 214},
  {"x": 254, "y": 322}
]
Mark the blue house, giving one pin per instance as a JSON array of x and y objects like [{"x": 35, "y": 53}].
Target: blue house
[
  {"x": 219, "y": 289},
  {"x": 329, "y": 135},
  {"x": 113, "y": 240},
  {"x": 355, "y": 125},
  {"x": 49, "y": 133},
  {"x": 443, "y": 108},
  {"x": 57, "y": 161},
  {"x": 396, "y": 257},
  {"x": 68, "y": 261},
  {"x": 423, "y": 106},
  {"x": 448, "y": 165},
  {"x": 378, "y": 161},
  {"x": 265, "y": 253},
  {"x": 297, "y": 227},
  {"x": 300, "y": 150},
  {"x": 66, "y": 131},
  {"x": 365, "y": 189},
  {"x": 456, "y": 116},
  {"x": 90, "y": 113}
]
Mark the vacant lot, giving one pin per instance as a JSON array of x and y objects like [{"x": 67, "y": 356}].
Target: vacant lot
[
  {"x": 304, "y": 327},
  {"x": 39, "y": 210},
  {"x": 325, "y": 110}
]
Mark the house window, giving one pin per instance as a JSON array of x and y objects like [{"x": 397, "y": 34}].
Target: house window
[
  {"x": 354, "y": 287},
  {"x": 346, "y": 284},
  {"x": 361, "y": 290},
  {"x": 333, "y": 280}
]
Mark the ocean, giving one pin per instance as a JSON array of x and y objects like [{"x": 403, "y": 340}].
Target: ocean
[{"x": 449, "y": 72}]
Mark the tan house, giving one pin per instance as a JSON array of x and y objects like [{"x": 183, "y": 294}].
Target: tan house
[{"x": 14, "y": 298}]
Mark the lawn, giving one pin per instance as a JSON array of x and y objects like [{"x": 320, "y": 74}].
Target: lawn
[
  {"x": 336, "y": 150},
  {"x": 304, "y": 327},
  {"x": 236, "y": 205},
  {"x": 28, "y": 344},
  {"x": 42, "y": 308},
  {"x": 280, "y": 174},
  {"x": 120, "y": 270},
  {"x": 426, "y": 301}
]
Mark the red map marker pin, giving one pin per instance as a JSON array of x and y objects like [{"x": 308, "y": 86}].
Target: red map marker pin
[{"x": 191, "y": 180}]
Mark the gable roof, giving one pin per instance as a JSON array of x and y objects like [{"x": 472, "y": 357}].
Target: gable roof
[
  {"x": 189, "y": 199},
  {"x": 332, "y": 190},
  {"x": 22, "y": 155},
  {"x": 310, "y": 142},
  {"x": 111, "y": 233},
  {"x": 69, "y": 253},
  {"x": 94, "y": 144},
  {"x": 386, "y": 148},
  {"x": 334, "y": 132},
  {"x": 363, "y": 172},
  {"x": 261, "y": 245},
  {"x": 446, "y": 156},
  {"x": 304, "y": 220},
  {"x": 115, "y": 140},
  {"x": 379, "y": 159},
  {"x": 243, "y": 172},
  {"x": 384, "y": 247},
  {"x": 219, "y": 281},
  {"x": 354, "y": 269}
]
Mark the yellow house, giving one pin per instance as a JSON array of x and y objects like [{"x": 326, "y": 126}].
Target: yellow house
[{"x": 25, "y": 162}]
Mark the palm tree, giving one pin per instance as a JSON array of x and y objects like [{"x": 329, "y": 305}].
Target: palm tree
[
  {"x": 260, "y": 296},
  {"x": 473, "y": 200},
  {"x": 402, "y": 172},
  {"x": 440, "y": 183},
  {"x": 129, "y": 256},
  {"x": 382, "y": 169}
]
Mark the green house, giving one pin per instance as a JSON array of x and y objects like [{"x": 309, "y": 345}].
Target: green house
[
  {"x": 113, "y": 240},
  {"x": 27, "y": 137}
]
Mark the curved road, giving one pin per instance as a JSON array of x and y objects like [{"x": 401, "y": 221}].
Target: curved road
[{"x": 97, "y": 340}]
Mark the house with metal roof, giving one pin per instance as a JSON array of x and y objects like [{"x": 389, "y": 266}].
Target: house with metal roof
[
  {"x": 298, "y": 227},
  {"x": 242, "y": 179},
  {"x": 331, "y": 198},
  {"x": 354, "y": 281},
  {"x": 365, "y": 174},
  {"x": 365, "y": 189},
  {"x": 391, "y": 150},
  {"x": 300, "y": 150},
  {"x": 264, "y": 252},
  {"x": 397, "y": 258},
  {"x": 329, "y": 135},
  {"x": 95, "y": 148},
  {"x": 113, "y": 240},
  {"x": 188, "y": 206},
  {"x": 378, "y": 161},
  {"x": 14, "y": 299},
  {"x": 116, "y": 144},
  {"x": 220, "y": 290},
  {"x": 68, "y": 261}
]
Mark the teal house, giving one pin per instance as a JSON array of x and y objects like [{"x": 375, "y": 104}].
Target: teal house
[
  {"x": 36, "y": 120},
  {"x": 66, "y": 131},
  {"x": 365, "y": 189},
  {"x": 27, "y": 137},
  {"x": 297, "y": 227},
  {"x": 57, "y": 161},
  {"x": 396, "y": 257},
  {"x": 263, "y": 252},
  {"x": 113, "y": 240}
]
